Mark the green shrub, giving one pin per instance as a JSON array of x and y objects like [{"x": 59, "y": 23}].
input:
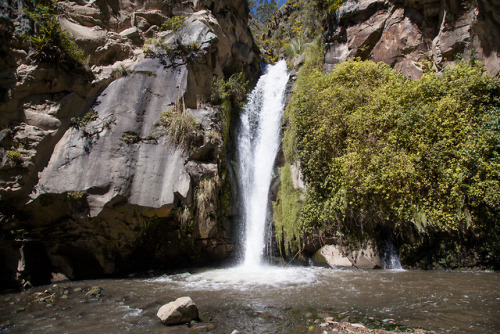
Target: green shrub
[
  {"x": 154, "y": 48},
  {"x": 48, "y": 40},
  {"x": 14, "y": 155},
  {"x": 286, "y": 213},
  {"x": 80, "y": 122},
  {"x": 75, "y": 195},
  {"x": 234, "y": 89},
  {"x": 131, "y": 138},
  {"x": 379, "y": 151},
  {"x": 174, "y": 23}
]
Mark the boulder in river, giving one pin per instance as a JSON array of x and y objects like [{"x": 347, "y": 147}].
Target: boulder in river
[{"x": 182, "y": 310}]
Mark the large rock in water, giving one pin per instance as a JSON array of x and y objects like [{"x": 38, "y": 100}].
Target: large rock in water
[
  {"x": 181, "y": 311},
  {"x": 365, "y": 256}
]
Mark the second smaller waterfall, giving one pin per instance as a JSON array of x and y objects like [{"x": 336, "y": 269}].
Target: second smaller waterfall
[{"x": 258, "y": 143}]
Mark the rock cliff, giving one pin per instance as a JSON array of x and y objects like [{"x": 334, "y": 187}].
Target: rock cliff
[
  {"x": 93, "y": 180},
  {"x": 410, "y": 36},
  {"x": 403, "y": 33}
]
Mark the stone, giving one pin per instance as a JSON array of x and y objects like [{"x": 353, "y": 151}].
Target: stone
[
  {"x": 182, "y": 310},
  {"x": 132, "y": 34},
  {"x": 58, "y": 277},
  {"x": 94, "y": 291},
  {"x": 366, "y": 257},
  {"x": 332, "y": 255}
]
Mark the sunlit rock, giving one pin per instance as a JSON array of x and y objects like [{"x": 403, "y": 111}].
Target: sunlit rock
[{"x": 182, "y": 310}]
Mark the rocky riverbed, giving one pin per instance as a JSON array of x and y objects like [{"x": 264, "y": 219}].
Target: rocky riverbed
[
  {"x": 59, "y": 301},
  {"x": 283, "y": 300}
]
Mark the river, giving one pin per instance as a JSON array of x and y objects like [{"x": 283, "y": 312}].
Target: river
[{"x": 268, "y": 300}]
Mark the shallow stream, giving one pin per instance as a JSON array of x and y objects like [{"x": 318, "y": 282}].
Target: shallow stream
[{"x": 264, "y": 300}]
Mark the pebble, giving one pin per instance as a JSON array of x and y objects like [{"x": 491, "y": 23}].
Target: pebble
[
  {"x": 358, "y": 325},
  {"x": 325, "y": 324},
  {"x": 235, "y": 332},
  {"x": 77, "y": 290},
  {"x": 94, "y": 291}
]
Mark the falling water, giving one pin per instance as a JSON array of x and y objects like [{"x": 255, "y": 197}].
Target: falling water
[
  {"x": 258, "y": 143},
  {"x": 390, "y": 256}
]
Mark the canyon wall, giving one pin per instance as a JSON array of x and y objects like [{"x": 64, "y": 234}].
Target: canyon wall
[{"x": 94, "y": 180}]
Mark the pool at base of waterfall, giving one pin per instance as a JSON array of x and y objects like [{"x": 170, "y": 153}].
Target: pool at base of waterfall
[{"x": 263, "y": 300}]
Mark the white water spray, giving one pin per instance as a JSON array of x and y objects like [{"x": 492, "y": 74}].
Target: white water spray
[{"x": 258, "y": 143}]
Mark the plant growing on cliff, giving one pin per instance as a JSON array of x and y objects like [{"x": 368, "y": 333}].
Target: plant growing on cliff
[
  {"x": 131, "y": 138},
  {"x": 234, "y": 89},
  {"x": 230, "y": 93},
  {"x": 181, "y": 127},
  {"x": 75, "y": 195},
  {"x": 206, "y": 198},
  {"x": 379, "y": 152},
  {"x": 49, "y": 42},
  {"x": 174, "y": 23},
  {"x": 14, "y": 155},
  {"x": 155, "y": 48},
  {"x": 286, "y": 213},
  {"x": 80, "y": 122}
]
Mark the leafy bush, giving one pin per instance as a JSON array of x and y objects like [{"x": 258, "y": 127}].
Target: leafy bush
[
  {"x": 75, "y": 195},
  {"x": 131, "y": 138},
  {"x": 286, "y": 213},
  {"x": 329, "y": 6},
  {"x": 174, "y": 23},
  {"x": 80, "y": 122},
  {"x": 48, "y": 40},
  {"x": 14, "y": 155},
  {"x": 230, "y": 93},
  {"x": 233, "y": 89},
  {"x": 379, "y": 151}
]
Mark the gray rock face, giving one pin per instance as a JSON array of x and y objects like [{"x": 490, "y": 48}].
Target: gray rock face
[
  {"x": 403, "y": 34},
  {"x": 98, "y": 156},
  {"x": 97, "y": 184},
  {"x": 181, "y": 311}
]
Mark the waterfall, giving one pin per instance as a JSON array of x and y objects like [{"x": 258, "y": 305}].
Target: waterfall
[
  {"x": 258, "y": 143},
  {"x": 390, "y": 258}
]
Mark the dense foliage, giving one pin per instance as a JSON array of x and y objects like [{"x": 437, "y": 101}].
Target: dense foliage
[{"x": 381, "y": 152}]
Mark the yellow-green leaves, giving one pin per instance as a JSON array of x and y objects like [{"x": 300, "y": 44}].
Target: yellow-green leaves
[{"x": 380, "y": 151}]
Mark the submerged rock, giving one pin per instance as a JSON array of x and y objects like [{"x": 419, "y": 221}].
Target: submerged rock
[{"x": 182, "y": 310}]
